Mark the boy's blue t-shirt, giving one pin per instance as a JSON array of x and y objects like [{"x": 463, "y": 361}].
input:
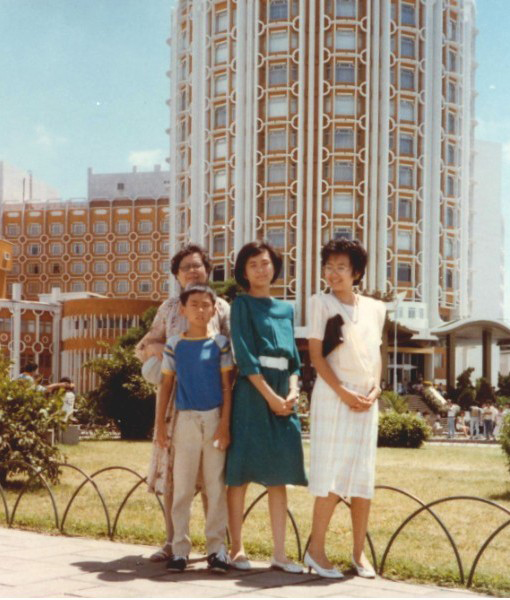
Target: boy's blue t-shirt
[{"x": 198, "y": 363}]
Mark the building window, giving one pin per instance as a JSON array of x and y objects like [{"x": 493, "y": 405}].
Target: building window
[
  {"x": 450, "y": 154},
  {"x": 144, "y": 246},
  {"x": 77, "y": 286},
  {"x": 407, "y": 79},
  {"x": 100, "y": 227},
  {"x": 164, "y": 286},
  {"x": 100, "y": 287},
  {"x": 120, "y": 187},
  {"x": 452, "y": 92},
  {"x": 452, "y": 30},
  {"x": 145, "y": 226},
  {"x": 164, "y": 266},
  {"x": 277, "y": 74},
  {"x": 56, "y": 228},
  {"x": 278, "y": 9},
  {"x": 220, "y": 116},
  {"x": 345, "y": 8},
  {"x": 219, "y": 211},
  {"x": 221, "y": 21},
  {"x": 220, "y": 53},
  {"x": 450, "y": 185},
  {"x": 122, "y": 247},
  {"x": 220, "y": 85},
  {"x": 344, "y": 138},
  {"x": 55, "y": 268},
  {"x": 78, "y": 228},
  {"x": 276, "y": 237},
  {"x": 121, "y": 266},
  {"x": 34, "y": 229},
  {"x": 277, "y": 140},
  {"x": 278, "y": 106},
  {"x": 77, "y": 268},
  {"x": 342, "y": 233},
  {"x": 345, "y": 39},
  {"x": 219, "y": 244},
  {"x": 276, "y": 173},
  {"x": 144, "y": 266},
  {"x": 34, "y": 249},
  {"x": 452, "y": 61},
  {"x": 344, "y": 171},
  {"x": 122, "y": 286},
  {"x": 451, "y": 123},
  {"x": 406, "y": 142},
  {"x": 343, "y": 204},
  {"x": 220, "y": 180},
  {"x": 407, "y": 47},
  {"x": 449, "y": 278},
  {"x": 344, "y": 105},
  {"x": 278, "y": 41},
  {"x": 404, "y": 208},
  {"x": 407, "y": 14},
  {"x": 77, "y": 248},
  {"x": 12, "y": 230},
  {"x": 165, "y": 225},
  {"x": 344, "y": 73},
  {"x": 33, "y": 268},
  {"x": 100, "y": 248},
  {"x": 404, "y": 273},
  {"x": 404, "y": 241},
  {"x": 122, "y": 227},
  {"x": 275, "y": 205},
  {"x": 220, "y": 148},
  {"x": 56, "y": 249},
  {"x": 100, "y": 267},
  {"x": 450, "y": 216},
  {"x": 448, "y": 247},
  {"x": 405, "y": 176},
  {"x": 406, "y": 110}
]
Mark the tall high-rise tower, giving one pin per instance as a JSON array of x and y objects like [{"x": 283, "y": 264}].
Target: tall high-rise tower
[{"x": 301, "y": 120}]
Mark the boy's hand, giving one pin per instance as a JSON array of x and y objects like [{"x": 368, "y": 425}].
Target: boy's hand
[
  {"x": 221, "y": 437},
  {"x": 161, "y": 437}
]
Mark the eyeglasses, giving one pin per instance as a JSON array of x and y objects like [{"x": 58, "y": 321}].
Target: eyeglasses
[
  {"x": 340, "y": 270},
  {"x": 191, "y": 266}
]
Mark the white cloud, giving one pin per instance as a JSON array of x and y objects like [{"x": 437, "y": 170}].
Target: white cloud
[
  {"x": 147, "y": 158},
  {"x": 46, "y": 139}
]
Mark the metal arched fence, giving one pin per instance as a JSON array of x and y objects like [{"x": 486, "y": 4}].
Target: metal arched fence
[{"x": 36, "y": 474}]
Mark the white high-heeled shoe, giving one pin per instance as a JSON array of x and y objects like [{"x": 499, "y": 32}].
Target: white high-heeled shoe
[
  {"x": 365, "y": 572},
  {"x": 321, "y": 571},
  {"x": 288, "y": 567}
]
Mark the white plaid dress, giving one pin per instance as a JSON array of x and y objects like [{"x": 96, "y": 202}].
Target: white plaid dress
[{"x": 343, "y": 442}]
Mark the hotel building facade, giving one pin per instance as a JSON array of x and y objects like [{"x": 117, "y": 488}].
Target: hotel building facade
[{"x": 299, "y": 121}]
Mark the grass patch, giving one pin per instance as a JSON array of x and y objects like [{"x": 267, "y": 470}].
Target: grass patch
[{"x": 421, "y": 553}]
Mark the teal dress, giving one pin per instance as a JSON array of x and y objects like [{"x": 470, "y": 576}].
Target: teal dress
[{"x": 265, "y": 448}]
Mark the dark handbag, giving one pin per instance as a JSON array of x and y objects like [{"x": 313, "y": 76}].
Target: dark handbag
[{"x": 332, "y": 334}]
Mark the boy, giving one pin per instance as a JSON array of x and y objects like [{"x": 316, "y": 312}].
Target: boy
[{"x": 201, "y": 364}]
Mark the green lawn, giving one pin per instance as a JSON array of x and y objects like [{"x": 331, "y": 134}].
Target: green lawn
[{"x": 421, "y": 553}]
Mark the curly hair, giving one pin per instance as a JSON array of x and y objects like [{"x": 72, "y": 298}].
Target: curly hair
[
  {"x": 353, "y": 249},
  {"x": 186, "y": 251}
]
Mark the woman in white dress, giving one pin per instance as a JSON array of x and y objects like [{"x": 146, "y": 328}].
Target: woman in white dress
[{"x": 344, "y": 410}]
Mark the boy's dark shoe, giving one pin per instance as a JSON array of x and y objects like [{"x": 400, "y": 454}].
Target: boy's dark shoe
[
  {"x": 218, "y": 561},
  {"x": 176, "y": 563}
]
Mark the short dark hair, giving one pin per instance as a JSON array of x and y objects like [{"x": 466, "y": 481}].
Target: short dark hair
[
  {"x": 254, "y": 249},
  {"x": 354, "y": 250},
  {"x": 30, "y": 367},
  {"x": 186, "y": 251},
  {"x": 65, "y": 380},
  {"x": 197, "y": 288}
]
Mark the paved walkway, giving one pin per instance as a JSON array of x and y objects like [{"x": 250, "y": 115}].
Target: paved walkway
[{"x": 36, "y": 565}]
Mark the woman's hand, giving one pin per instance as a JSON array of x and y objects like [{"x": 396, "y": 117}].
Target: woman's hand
[
  {"x": 282, "y": 407},
  {"x": 374, "y": 394},
  {"x": 356, "y": 402}
]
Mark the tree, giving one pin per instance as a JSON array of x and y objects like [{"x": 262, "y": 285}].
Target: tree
[
  {"x": 484, "y": 392},
  {"x": 123, "y": 394},
  {"x": 504, "y": 385},
  {"x": 464, "y": 392},
  {"x": 227, "y": 289}
]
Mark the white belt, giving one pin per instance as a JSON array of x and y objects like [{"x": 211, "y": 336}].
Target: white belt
[{"x": 274, "y": 362}]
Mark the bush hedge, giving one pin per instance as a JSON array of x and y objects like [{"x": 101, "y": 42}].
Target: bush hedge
[
  {"x": 402, "y": 430},
  {"x": 504, "y": 438}
]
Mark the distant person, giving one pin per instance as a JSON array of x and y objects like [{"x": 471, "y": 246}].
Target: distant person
[
  {"x": 28, "y": 373},
  {"x": 474, "y": 423},
  {"x": 498, "y": 422},
  {"x": 441, "y": 390},
  {"x": 69, "y": 396},
  {"x": 487, "y": 420},
  {"x": 451, "y": 415}
]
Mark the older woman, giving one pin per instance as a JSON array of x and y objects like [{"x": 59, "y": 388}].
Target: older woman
[
  {"x": 344, "y": 411},
  {"x": 189, "y": 265}
]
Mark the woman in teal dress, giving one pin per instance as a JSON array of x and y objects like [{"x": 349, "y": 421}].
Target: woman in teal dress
[{"x": 266, "y": 436}]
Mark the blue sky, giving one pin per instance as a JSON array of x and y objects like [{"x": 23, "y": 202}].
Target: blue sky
[{"x": 83, "y": 84}]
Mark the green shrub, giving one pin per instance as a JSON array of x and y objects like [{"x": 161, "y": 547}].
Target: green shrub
[
  {"x": 90, "y": 415},
  {"x": 504, "y": 438},
  {"x": 123, "y": 394},
  {"x": 403, "y": 430},
  {"x": 392, "y": 400},
  {"x": 26, "y": 417}
]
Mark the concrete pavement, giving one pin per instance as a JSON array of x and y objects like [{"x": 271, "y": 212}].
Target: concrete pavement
[{"x": 37, "y": 565}]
